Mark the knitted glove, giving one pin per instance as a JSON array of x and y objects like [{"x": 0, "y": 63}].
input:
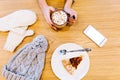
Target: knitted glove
[
  {"x": 28, "y": 62},
  {"x": 17, "y": 19},
  {"x": 17, "y": 23},
  {"x": 15, "y": 37}
]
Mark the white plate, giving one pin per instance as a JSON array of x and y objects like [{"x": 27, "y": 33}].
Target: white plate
[{"x": 58, "y": 67}]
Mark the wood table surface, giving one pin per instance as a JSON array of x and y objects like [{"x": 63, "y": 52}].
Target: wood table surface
[{"x": 104, "y": 15}]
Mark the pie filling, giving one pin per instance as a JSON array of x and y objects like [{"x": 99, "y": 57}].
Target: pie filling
[{"x": 71, "y": 64}]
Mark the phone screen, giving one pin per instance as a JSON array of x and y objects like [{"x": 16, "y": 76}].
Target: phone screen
[{"x": 95, "y": 36}]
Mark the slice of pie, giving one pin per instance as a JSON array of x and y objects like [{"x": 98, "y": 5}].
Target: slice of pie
[{"x": 71, "y": 64}]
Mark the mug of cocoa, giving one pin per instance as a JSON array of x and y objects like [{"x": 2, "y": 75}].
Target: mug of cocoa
[{"x": 60, "y": 18}]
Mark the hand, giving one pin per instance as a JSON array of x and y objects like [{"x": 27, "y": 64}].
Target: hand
[
  {"x": 72, "y": 14},
  {"x": 46, "y": 12}
]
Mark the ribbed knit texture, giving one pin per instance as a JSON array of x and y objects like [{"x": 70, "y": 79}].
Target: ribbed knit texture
[
  {"x": 15, "y": 38},
  {"x": 28, "y": 62}
]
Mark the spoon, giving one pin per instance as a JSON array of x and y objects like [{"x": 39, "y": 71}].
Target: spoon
[{"x": 64, "y": 51}]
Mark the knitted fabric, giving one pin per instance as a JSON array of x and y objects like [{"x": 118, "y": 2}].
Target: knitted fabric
[
  {"x": 15, "y": 38},
  {"x": 17, "y": 23},
  {"x": 17, "y": 19},
  {"x": 28, "y": 62}
]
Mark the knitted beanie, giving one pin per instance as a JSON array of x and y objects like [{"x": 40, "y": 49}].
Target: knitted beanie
[{"x": 28, "y": 62}]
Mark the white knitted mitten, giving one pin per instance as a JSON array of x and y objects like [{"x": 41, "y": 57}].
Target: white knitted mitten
[
  {"x": 17, "y": 23},
  {"x": 17, "y": 19},
  {"x": 15, "y": 38}
]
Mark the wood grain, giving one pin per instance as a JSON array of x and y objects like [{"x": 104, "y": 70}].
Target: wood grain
[{"x": 104, "y": 15}]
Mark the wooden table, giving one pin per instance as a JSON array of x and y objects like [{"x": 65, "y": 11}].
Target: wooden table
[{"x": 104, "y": 15}]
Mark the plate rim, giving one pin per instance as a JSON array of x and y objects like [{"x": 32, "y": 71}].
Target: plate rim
[{"x": 87, "y": 69}]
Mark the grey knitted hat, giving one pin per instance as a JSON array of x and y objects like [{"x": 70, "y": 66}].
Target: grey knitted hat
[{"x": 28, "y": 62}]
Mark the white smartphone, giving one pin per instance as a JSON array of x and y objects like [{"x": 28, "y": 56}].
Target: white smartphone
[{"x": 95, "y": 36}]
